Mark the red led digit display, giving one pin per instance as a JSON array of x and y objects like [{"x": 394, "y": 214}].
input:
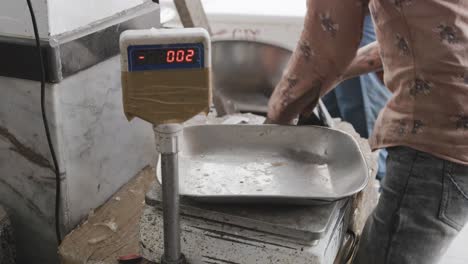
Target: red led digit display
[
  {"x": 170, "y": 58},
  {"x": 190, "y": 54},
  {"x": 180, "y": 56},
  {"x": 167, "y": 56}
]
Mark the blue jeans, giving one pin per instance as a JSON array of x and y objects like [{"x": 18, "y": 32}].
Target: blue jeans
[
  {"x": 422, "y": 208},
  {"x": 359, "y": 100}
]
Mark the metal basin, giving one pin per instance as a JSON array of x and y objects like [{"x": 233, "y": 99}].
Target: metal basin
[
  {"x": 269, "y": 164},
  {"x": 245, "y": 74}
]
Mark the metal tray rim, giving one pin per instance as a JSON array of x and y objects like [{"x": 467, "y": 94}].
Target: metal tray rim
[{"x": 299, "y": 197}]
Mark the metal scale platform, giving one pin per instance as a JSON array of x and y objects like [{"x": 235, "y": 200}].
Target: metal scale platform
[
  {"x": 249, "y": 234},
  {"x": 214, "y": 229}
]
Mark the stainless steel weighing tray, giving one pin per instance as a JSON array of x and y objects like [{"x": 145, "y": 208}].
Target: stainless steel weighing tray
[{"x": 269, "y": 164}]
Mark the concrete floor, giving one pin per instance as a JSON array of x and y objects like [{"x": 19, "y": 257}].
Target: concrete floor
[{"x": 458, "y": 252}]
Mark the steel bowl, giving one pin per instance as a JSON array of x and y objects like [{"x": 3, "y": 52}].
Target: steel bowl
[{"x": 245, "y": 74}]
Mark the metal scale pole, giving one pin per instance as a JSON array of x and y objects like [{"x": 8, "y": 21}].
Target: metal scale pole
[
  {"x": 167, "y": 138},
  {"x": 192, "y": 15}
]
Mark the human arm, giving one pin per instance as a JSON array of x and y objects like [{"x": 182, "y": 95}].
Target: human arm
[
  {"x": 367, "y": 60},
  {"x": 328, "y": 44}
]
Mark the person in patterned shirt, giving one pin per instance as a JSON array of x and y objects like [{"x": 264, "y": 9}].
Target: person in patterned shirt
[{"x": 422, "y": 46}]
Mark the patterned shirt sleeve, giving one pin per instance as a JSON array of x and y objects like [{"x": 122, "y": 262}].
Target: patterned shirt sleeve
[{"x": 329, "y": 41}]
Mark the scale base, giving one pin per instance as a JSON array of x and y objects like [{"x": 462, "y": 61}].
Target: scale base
[
  {"x": 182, "y": 260},
  {"x": 211, "y": 236}
]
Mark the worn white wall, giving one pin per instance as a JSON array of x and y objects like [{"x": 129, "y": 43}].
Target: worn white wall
[
  {"x": 265, "y": 21},
  {"x": 56, "y": 16},
  {"x": 66, "y": 15},
  {"x": 15, "y": 19},
  {"x": 102, "y": 150}
]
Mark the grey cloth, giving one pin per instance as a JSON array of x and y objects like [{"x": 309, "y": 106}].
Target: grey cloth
[{"x": 423, "y": 206}]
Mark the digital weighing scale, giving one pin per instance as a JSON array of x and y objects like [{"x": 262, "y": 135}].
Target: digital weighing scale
[{"x": 166, "y": 80}]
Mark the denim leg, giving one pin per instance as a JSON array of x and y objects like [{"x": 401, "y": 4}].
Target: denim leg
[
  {"x": 350, "y": 102},
  {"x": 423, "y": 206},
  {"x": 382, "y": 161},
  {"x": 368, "y": 31},
  {"x": 332, "y": 105},
  {"x": 375, "y": 95},
  {"x": 345, "y": 102}
]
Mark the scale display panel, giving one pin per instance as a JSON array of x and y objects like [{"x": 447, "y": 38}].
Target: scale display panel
[
  {"x": 166, "y": 74},
  {"x": 168, "y": 56}
]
